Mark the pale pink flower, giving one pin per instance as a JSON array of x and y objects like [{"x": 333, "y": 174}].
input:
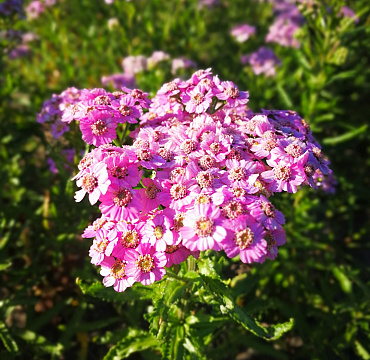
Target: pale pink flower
[
  {"x": 145, "y": 264},
  {"x": 95, "y": 182}
]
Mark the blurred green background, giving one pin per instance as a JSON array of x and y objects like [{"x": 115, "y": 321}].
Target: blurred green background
[{"x": 320, "y": 277}]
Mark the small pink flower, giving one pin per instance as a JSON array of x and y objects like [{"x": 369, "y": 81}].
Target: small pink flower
[
  {"x": 98, "y": 248},
  {"x": 245, "y": 237},
  {"x": 99, "y": 128},
  {"x": 264, "y": 212},
  {"x": 176, "y": 254},
  {"x": 243, "y": 32},
  {"x": 121, "y": 203},
  {"x": 198, "y": 100},
  {"x": 95, "y": 182},
  {"x": 203, "y": 228},
  {"x": 158, "y": 232},
  {"x": 145, "y": 264},
  {"x": 114, "y": 272}
]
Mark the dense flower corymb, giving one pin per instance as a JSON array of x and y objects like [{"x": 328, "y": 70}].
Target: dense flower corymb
[{"x": 200, "y": 174}]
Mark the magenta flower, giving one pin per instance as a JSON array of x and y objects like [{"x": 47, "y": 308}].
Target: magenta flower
[
  {"x": 145, "y": 264},
  {"x": 274, "y": 238},
  {"x": 176, "y": 254},
  {"x": 203, "y": 228},
  {"x": 122, "y": 171},
  {"x": 114, "y": 272},
  {"x": 95, "y": 182},
  {"x": 99, "y": 128},
  {"x": 153, "y": 195},
  {"x": 98, "y": 226},
  {"x": 158, "y": 232},
  {"x": 264, "y": 212},
  {"x": 129, "y": 236},
  {"x": 245, "y": 237},
  {"x": 121, "y": 203},
  {"x": 286, "y": 176},
  {"x": 127, "y": 109},
  {"x": 231, "y": 93}
]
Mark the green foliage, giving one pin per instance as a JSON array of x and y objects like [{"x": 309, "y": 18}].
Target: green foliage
[{"x": 215, "y": 310}]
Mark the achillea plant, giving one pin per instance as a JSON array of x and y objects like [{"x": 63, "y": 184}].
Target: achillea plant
[{"x": 200, "y": 175}]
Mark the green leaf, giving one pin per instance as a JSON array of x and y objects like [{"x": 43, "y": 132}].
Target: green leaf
[
  {"x": 229, "y": 307},
  {"x": 361, "y": 351},
  {"x": 173, "y": 348},
  {"x": 136, "y": 340},
  {"x": 345, "y": 137},
  {"x": 284, "y": 96},
  {"x": 8, "y": 341},
  {"x": 98, "y": 290},
  {"x": 344, "y": 282},
  {"x": 41, "y": 342},
  {"x": 4, "y": 266}
]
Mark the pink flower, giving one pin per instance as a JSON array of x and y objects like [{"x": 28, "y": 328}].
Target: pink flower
[
  {"x": 98, "y": 226},
  {"x": 127, "y": 109},
  {"x": 274, "y": 238},
  {"x": 99, "y": 128},
  {"x": 230, "y": 92},
  {"x": 245, "y": 237},
  {"x": 145, "y": 264},
  {"x": 153, "y": 195},
  {"x": 176, "y": 254},
  {"x": 114, "y": 272},
  {"x": 95, "y": 182},
  {"x": 198, "y": 100},
  {"x": 286, "y": 176},
  {"x": 121, "y": 203},
  {"x": 203, "y": 228},
  {"x": 129, "y": 236},
  {"x": 98, "y": 248},
  {"x": 158, "y": 232},
  {"x": 243, "y": 32},
  {"x": 122, "y": 171},
  {"x": 264, "y": 212}
]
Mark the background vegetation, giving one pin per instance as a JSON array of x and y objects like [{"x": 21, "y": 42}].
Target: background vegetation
[{"x": 320, "y": 277}]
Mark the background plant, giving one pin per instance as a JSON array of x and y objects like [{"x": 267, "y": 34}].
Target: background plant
[{"x": 321, "y": 276}]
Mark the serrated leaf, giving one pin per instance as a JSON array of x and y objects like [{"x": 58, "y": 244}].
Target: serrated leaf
[
  {"x": 8, "y": 341},
  {"x": 133, "y": 343},
  {"x": 229, "y": 307},
  {"x": 173, "y": 348}
]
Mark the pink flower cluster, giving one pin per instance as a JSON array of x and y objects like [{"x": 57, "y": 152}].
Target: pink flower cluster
[{"x": 199, "y": 175}]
